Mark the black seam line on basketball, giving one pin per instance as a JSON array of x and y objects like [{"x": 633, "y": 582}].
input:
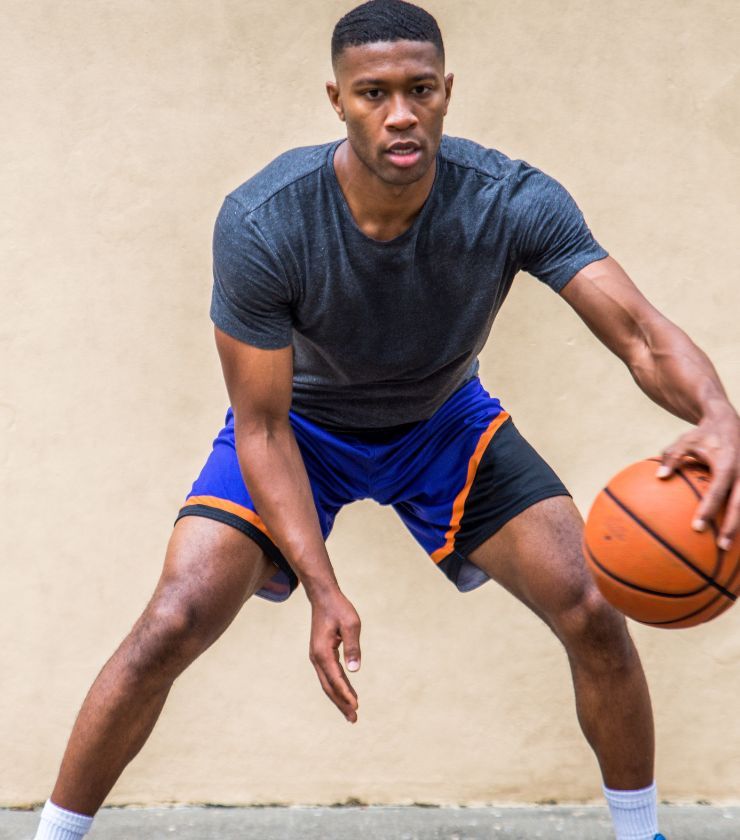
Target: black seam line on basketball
[
  {"x": 609, "y": 573},
  {"x": 719, "y": 597},
  {"x": 702, "y": 609},
  {"x": 691, "y": 486},
  {"x": 669, "y": 547},
  {"x": 719, "y": 612}
]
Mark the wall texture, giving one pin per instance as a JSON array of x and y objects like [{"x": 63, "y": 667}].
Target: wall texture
[{"x": 124, "y": 124}]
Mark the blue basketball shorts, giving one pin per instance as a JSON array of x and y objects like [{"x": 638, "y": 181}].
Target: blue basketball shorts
[{"x": 454, "y": 479}]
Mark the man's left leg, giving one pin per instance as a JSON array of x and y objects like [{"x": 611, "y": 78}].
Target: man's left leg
[{"x": 537, "y": 557}]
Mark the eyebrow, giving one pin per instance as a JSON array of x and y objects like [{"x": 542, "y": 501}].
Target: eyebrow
[{"x": 367, "y": 82}]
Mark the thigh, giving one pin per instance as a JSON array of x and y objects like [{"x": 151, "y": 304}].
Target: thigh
[
  {"x": 210, "y": 570},
  {"x": 537, "y": 556}
]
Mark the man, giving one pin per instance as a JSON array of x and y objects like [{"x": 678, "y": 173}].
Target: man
[{"x": 354, "y": 285}]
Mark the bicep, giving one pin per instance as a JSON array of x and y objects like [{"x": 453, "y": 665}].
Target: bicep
[
  {"x": 613, "y": 308},
  {"x": 259, "y": 382}
]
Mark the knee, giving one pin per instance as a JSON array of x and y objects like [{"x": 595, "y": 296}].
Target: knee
[
  {"x": 594, "y": 633},
  {"x": 167, "y": 638}
]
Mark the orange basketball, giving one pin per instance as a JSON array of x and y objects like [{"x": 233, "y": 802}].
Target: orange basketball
[{"x": 647, "y": 559}]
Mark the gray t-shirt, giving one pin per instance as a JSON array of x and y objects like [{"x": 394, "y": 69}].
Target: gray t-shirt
[{"x": 384, "y": 332}]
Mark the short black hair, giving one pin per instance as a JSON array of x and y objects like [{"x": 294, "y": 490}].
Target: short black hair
[{"x": 385, "y": 20}]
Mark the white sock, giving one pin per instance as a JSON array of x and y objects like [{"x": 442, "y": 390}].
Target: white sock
[
  {"x": 58, "y": 824},
  {"x": 634, "y": 812}
]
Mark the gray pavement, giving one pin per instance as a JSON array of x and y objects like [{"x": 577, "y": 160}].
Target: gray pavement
[{"x": 697, "y": 822}]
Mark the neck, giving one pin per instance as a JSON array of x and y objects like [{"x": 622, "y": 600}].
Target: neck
[{"x": 382, "y": 211}]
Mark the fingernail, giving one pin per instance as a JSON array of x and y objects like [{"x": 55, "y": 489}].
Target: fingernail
[
  {"x": 663, "y": 471},
  {"x": 724, "y": 543},
  {"x": 699, "y": 525},
  {"x": 353, "y": 665}
]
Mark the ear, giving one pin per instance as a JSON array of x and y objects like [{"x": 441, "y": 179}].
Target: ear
[
  {"x": 332, "y": 90},
  {"x": 449, "y": 79}
]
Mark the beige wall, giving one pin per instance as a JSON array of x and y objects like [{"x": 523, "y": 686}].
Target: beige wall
[{"x": 124, "y": 124}]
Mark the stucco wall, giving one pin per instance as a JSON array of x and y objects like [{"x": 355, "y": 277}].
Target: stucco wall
[{"x": 124, "y": 124}]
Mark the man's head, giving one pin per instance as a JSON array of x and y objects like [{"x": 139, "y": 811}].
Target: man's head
[
  {"x": 390, "y": 87},
  {"x": 385, "y": 20}
]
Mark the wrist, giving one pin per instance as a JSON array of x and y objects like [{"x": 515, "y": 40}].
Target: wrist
[
  {"x": 320, "y": 588},
  {"x": 310, "y": 561},
  {"x": 718, "y": 409}
]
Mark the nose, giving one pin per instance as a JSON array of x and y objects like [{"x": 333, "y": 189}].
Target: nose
[{"x": 400, "y": 115}]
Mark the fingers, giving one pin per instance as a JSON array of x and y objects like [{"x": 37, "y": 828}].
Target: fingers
[
  {"x": 335, "y": 622},
  {"x": 670, "y": 460},
  {"x": 714, "y": 498},
  {"x": 335, "y": 683},
  {"x": 731, "y": 522},
  {"x": 724, "y": 475},
  {"x": 673, "y": 455}
]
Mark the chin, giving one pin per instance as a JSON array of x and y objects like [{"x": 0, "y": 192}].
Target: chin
[{"x": 403, "y": 177}]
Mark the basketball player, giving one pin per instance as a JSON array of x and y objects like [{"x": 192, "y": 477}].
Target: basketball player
[{"x": 355, "y": 284}]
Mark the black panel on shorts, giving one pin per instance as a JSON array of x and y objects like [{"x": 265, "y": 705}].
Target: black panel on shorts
[{"x": 511, "y": 477}]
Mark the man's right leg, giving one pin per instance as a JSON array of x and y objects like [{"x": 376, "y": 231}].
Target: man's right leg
[{"x": 209, "y": 572}]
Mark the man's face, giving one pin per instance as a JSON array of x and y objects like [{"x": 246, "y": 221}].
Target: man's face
[{"x": 393, "y": 97}]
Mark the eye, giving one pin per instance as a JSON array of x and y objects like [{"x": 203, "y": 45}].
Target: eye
[
  {"x": 421, "y": 90},
  {"x": 373, "y": 93}
]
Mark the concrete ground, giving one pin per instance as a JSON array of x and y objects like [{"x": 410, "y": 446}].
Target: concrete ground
[{"x": 696, "y": 822}]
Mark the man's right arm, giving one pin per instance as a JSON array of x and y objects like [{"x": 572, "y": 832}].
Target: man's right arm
[{"x": 260, "y": 385}]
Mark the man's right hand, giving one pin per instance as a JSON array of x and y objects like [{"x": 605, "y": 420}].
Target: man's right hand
[{"x": 335, "y": 622}]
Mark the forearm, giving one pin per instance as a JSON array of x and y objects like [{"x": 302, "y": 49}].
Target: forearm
[
  {"x": 274, "y": 471},
  {"x": 663, "y": 360},
  {"x": 675, "y": 373}
]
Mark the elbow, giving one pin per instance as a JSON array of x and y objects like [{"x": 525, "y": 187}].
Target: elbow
[
  {"x": 646, "y": 340},
  {"x": 259, "y": 428}
]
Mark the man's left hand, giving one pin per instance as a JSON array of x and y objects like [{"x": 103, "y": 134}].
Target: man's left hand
[{"x": 716, "y": 443}]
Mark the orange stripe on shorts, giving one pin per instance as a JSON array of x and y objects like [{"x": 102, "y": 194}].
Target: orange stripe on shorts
[
  {"x": 231, "y": 507},
  {"x": 458, "y": 506}
]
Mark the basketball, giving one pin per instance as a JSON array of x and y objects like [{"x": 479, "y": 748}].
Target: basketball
[{"x": 647, "y": 559}]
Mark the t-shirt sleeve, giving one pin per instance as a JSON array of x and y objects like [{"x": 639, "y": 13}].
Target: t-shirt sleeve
[
  {"x": 553, "y": 240},
  {"x": 251, "y": 294}
]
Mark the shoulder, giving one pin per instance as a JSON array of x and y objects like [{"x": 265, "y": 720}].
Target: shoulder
[
  {"x": 467, "y": 156},
  {"x": 293, "y": 169},
  {"x": 518, "y": 182}
]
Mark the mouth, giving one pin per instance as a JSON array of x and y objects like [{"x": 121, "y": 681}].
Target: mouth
[{"x": 404, "y": 154}]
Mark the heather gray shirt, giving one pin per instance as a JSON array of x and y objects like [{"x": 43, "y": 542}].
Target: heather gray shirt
[{"x": 384, "y": 332}]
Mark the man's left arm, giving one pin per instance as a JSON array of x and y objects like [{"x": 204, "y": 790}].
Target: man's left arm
[{"x": 674, "y": 373}]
